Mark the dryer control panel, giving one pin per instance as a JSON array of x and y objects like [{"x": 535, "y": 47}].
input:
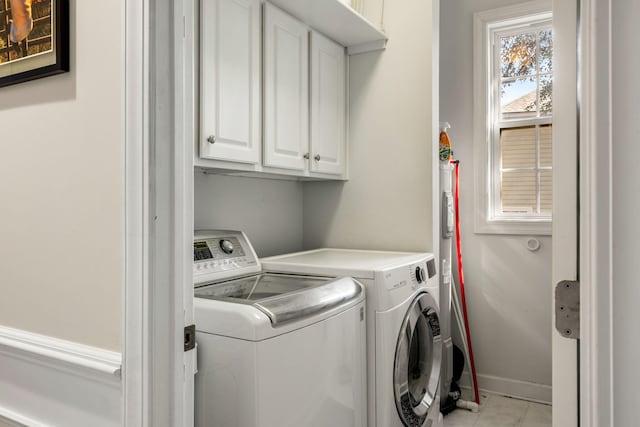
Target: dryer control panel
[{"x": 221, "y": 254}]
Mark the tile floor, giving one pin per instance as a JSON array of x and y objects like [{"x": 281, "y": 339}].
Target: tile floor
[{"x": 500, "y": 411}]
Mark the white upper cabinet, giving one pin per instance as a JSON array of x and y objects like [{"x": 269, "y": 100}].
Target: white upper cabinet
[
  {"x": 286, "y": 90},
  {"x": 273, "y": 92},
  {"x": 328, "y": 106},
  {"x": 230, "y": 78}
]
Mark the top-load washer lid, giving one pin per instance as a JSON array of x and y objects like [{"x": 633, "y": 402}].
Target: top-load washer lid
[
  {"x": 360, "y": 264},
  {"x": 282, "y": 297}
]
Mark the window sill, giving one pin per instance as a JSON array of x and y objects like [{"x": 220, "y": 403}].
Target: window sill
[{"x": 514, "y": 227}]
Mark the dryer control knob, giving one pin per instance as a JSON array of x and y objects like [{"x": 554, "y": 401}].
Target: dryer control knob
[
  {"x": 226, "y": 246},
  {"x": 421, "y": 275}
]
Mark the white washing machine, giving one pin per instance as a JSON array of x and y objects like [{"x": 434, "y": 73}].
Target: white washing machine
[
  {"x": 275, "y": 350},
  {"x": 404, "y": 346}
]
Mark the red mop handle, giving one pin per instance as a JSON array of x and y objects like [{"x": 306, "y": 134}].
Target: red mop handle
[{"x": 463, "y": 299}]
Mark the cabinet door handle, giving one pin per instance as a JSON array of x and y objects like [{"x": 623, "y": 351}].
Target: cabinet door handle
[
  {"x": 305, "y": 156},
  {"x": 211, "y": 139},
  {"x": 317, "y": 157}
]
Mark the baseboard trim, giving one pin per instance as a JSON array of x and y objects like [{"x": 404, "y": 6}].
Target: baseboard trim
[
  {"x": 72, "y": 357},
  {"x": 533, "y": 392}
]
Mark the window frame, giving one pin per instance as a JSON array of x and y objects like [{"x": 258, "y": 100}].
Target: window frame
[{"x": 487, "y": 25}]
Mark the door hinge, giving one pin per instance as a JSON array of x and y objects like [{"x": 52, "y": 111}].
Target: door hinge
[
  {"x": 568, "y": 308},
  {"x": 189, "y": 337}
]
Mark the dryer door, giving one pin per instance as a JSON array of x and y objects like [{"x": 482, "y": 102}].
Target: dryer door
[{"x": 417, "y": 362}]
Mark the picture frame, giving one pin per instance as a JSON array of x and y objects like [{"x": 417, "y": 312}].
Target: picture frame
[{"x": 34, "y": 39}]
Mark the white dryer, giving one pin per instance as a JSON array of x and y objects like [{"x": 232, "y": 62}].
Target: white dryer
[
  {"x": 275, "y": 350},
  {"x": 404, "y": 346}
]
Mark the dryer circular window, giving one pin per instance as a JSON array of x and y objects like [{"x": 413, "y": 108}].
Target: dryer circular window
[{"x": 417, "y": 362}]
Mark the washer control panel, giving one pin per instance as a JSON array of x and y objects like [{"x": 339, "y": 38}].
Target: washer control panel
[
  {"x": 220, "y": 254},
  {"x": 216, "y": 249},
  {"x": 397, "y": 283},
  {"x": 415, "y": 274}
]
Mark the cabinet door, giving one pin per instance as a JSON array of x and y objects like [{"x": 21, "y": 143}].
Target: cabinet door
[
  {"x": 328, "y": 106},
  {"x": 286, "y": 90},
  {"x": 230, "y": 80}
]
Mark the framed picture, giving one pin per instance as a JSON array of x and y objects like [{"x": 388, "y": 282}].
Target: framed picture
[{"x": 34, "y": 39}]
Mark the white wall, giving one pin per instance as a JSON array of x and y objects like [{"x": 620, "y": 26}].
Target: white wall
[
  {"x": 268, "y": 210},
  {"x": 508, "y": 287},
  {"x": 61, "y": 189},
  {"x": 386, "y": 203},
  {"x": 626, "y": 205}
]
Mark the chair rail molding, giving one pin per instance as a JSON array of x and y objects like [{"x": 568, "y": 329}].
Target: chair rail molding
[
  {"x": 49, "y": 381},
  {"x": 90, "y": 362}
]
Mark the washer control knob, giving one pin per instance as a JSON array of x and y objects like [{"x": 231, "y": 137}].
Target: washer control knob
[
  {"x": 421, "y": 274},
  {"x": 226, "y": 246}
]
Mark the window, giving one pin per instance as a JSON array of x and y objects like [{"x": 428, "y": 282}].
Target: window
[{"x": 513, "y": 143}]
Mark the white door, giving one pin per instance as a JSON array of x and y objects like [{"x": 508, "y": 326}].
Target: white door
[
  {"x": 230, "y": 80},
  {"x": 565, "y": 206},
  {"x": 286, "y": 90},
  {"x": 328, "y": 106}
]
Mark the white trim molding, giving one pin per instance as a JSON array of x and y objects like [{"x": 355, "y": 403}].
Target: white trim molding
[
  {"x": 135, "y": 325},
  {"x": 596, "y": 216},
  {"x": 13, "y": 419},
  {"x": 533, "y": 392},
  {"x": 435, "y": 126},
  {"x": 93, "y": 362},
  {"x": 185, "y": 101},
  {"x": 47, "y": 381},
  {"x": 481, "y": 121},
  {"x": 158, "y": 297}
]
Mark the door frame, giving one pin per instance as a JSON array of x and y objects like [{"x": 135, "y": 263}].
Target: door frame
[
  {"x": 595, "y": 247},
  {"x": 135, "y": 357},
  {"x": 141, "y": 185},
  {"x": 157, "y": 375}
]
